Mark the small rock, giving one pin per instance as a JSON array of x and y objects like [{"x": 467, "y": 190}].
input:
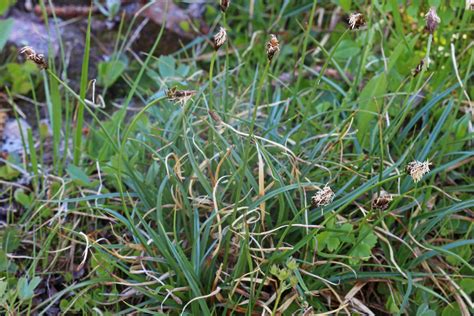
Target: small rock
[
  {"x": 29, "y": 31},
  {"x": 11, "y": 141}
]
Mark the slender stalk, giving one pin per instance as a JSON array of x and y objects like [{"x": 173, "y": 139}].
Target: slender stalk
[
  {"x": 381, "y": 147},
  {"x": 226, "y": 69},
  {"x": 211, "y": 97},
  {"x": 82, "y": 94},
  {"x": 300, "y": 61},
  {"x": 33, "y": 159},
  {"x": 305, "y": 46},
  {"x": 277, "y": 301},
  {"x": 410, "y": 95},
  {"x": 38, "y": 121},
  {"x": 243, "y": 167},
  {"x": 54, "y": 114},
  {"x": 144, "y": 66}
]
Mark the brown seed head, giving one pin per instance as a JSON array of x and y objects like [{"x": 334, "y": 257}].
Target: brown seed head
[
  {"x": 38, "y": 59},
  {"x": 381, "y": 202},
  {"x": 215, "y": 116},
  {"x": 224, "y": 4},
  {"x": 273, "y": 47},
  {"x": 356, "y": 20},
  {"x": 418, "y": 169},
  {"x": 180, "y": 96},
  {"x": 220, "y": 38},
  {"x": 432, "y": 20},
  {"x": 418, "y": 68},
  {"x": 322, "y": 197}
]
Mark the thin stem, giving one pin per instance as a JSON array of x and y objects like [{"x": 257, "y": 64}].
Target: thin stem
[
  {"x": 211, "y": 75},
  {"x": 280, "y": 291},
  {"x": 243, "y": 167},
  {"x": 418, "y": 84},
  {"x": 82, "y": 93},
  {"x": 211, "y": 98},
  {"x": 381, "y": 152},
  {"x": 226, "y": 67},
  {"x": 305, "y": 46}
]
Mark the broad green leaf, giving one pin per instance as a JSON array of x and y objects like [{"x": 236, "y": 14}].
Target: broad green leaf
[
  {"x": 18, "y": 75},
  {"x": 183, "y": 70},
  {"x": 22, "y": 198},
  {"x": 398, "y": 57},
  {"x": 167, "y": 66},
  {"x": 366, "y": 240},
  {"x": 78, "y": 174},
  {"x": 451, "y": 310},
  {"x": 8, "y": 173},
  {"x": 467, "y": 285},
  {"x": 345, "y": 4},
  {"x": 110, "y": 71},
  {"x": 64, "y": 304},
  {"x": 10, "y": 241},
  {"x": 332, "y": 239},
  {"x": 370, "y": 100},
  {"x": 392, "y": 306},
  {"x": 3, "y": 260},
  {"x": 327, "y": 240},
  {"x": 424, "y": 310},
  {"x": 6, "y": 27},
  {"x": 6, "y": 264},
  {"x": 347, "y": 235},
  {"x": 346, "y": 49},
  {"x": 98, "y": 264},
  {"x": 464, "y": 252},
  {"x": 332, "y": 243},
  {"x": 3, "y": 288},
  {"x": 184, "y": 25},
  {"x": 26, "y": 288}
]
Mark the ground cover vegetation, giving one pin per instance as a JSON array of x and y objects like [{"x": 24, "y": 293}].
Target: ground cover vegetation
[{"x": 299, "y": 158}]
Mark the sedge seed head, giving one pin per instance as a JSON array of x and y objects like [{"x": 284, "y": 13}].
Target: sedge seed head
[
  {"x": 322, "y": 197},
  {"x": 180, "y": 96},
  {"x": 418, "y": 169},
  {"x": 272, "y": 46},
  {"x": 418, "y": 68},
  {"x": 38, "y": 59},
  {"x": 356, "y": 20},
  {"x": 220, "y": 38},
  {"x": 224, "y": 4},
  {"x": 382, "y": 201},
  {"x": 432, "y": 20}
]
